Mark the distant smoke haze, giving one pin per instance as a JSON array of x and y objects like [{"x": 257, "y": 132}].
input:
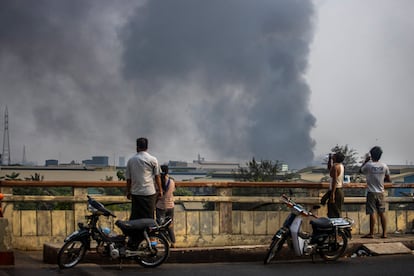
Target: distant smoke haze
[{"x": 219, "y": 78}]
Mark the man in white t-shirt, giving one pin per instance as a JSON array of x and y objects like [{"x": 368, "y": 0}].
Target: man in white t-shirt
[
  {"x": 142, "y": 174},
  {"x": 377, "y": 173}
]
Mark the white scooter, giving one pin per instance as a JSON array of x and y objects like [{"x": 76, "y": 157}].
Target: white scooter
[{"x": 329, "y": 236}]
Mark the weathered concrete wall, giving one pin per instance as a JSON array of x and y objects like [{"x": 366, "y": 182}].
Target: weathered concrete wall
[
  {"x": 5, "y": 235},
  {"x": 6, "y": 252},
  {"x": 222, "y": 226},
  {"x": 31, "y": 229}
]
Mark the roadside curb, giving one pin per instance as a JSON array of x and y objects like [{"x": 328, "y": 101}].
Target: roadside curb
[{"x": 249, "y": 253}]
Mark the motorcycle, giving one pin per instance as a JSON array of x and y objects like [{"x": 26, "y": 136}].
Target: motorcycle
[
  {"x": 142, "y": 240},
  {"x": 329, "y": 237}
]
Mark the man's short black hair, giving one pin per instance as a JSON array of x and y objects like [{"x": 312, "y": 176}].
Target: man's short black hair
[
  {"x": 339, "y": 157},
  {"x": 164, "y": 169},
  {"x": 376, "y": 153},
  {"x": 142, "y": 143}
]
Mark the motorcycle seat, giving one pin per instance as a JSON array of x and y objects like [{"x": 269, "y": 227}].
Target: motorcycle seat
[
  {"x": 321, "y": 223},
  {"x": 135, "y": 224}
]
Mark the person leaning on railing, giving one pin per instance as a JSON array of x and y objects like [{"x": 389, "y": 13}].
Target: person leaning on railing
[
  {"x": 165, "y": 204},
  {"x": 335, "y": 195}
]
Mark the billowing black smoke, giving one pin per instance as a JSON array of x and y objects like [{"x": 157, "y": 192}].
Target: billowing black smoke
[
  {"x": 219, "y": 78},
  {"x": 232, "y": 70},
  {"x": 59, "y": 76}
]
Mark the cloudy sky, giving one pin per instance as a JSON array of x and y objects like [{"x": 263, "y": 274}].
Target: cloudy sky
[
  {"x": 229, "y": 80},
  {"x": 360, "y": 74}
]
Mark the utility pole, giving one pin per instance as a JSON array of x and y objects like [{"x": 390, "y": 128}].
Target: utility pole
[
  {"x": 6, "y": 140},
  {"x": 24, "y": 161}
]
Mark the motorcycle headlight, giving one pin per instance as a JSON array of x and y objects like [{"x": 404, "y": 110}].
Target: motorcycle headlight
[{"x": 297, "y": 209}]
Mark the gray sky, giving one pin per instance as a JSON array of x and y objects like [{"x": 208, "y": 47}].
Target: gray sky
[
  {"x": 360, "y": 73},
  {"x": 230, "y": 80}
]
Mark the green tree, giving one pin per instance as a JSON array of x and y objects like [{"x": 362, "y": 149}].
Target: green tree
[
  {"x": 36, "y": 177},
  {"x": 13, "y": 176},
  {"x": 262, "y": 171},
  {"x": 350, "y": 161},
  {"x": 121, "y": 175}
]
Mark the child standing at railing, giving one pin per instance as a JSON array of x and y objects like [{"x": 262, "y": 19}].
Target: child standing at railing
[{"x": 165, "y": 204}]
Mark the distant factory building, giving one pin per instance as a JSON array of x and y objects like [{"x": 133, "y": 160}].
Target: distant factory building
[
  {"x": 100, "y": 161},
  {"x": 51, "y": 162},
  {"x": 122, "y": 161}
]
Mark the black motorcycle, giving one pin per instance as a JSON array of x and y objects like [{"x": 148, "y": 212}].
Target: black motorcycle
[{"x": 142, "y": 240}]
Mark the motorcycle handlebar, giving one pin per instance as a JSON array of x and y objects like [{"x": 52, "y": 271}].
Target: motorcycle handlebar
[
  {"x": 300, "y": 209},
  {"x": 100, "y": 207}
]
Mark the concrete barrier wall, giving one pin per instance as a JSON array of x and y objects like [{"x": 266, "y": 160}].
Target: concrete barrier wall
[
  {"x": 31, "y": 229},
  {"x": 5, "y": 235},
  {"x": 194, "y": 228}
]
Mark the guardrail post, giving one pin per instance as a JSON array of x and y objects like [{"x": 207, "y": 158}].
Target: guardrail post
[
  {"x": 6, "y": 252},
  {"x": 6, "y": 208},
  {"x": 1, "y": 209},
  {"x": 225, "y": 211},
  {"x": 79, "y": 209}
]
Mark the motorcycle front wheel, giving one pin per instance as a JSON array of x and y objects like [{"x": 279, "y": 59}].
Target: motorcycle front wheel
[
  {"x": 334, "y": 249},
  {"x": 274, "y": 248},
  {"x": 71, "y": 254},
  {"x": 156, "y": 254}
]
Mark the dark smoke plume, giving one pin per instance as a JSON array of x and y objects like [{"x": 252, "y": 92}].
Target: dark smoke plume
[
  {"x": 233, "y": 70},
  {"x": 219, "y": 78}
]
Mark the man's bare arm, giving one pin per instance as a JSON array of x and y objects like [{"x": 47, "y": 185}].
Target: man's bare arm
[
  {"x": 128, "y": 189},
  {"x": 158, "y": 183}
]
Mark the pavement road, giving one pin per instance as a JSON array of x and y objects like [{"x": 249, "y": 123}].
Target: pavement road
[{"x": 395, "y": 265}]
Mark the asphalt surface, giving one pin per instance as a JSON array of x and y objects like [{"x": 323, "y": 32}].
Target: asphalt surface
[{"x": 30, "y": 261}]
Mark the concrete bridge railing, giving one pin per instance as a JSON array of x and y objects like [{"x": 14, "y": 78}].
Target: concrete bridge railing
[{"x": 218, "y": 218}]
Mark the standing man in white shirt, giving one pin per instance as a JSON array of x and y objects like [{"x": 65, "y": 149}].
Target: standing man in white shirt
[
  {"x": 142, "y": 174},
  {"x": 377, "y": 173}
]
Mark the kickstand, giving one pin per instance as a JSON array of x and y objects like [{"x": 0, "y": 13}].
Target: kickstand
[{"x": 120, "y": 263}]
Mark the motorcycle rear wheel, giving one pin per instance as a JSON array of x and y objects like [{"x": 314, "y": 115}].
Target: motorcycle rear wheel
[
  {"x": 335, "y": 251},
  {"x": 274, "y": 248},
  {"x": 71, "y": 253},
  {"x": 156, "y": 256}
]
